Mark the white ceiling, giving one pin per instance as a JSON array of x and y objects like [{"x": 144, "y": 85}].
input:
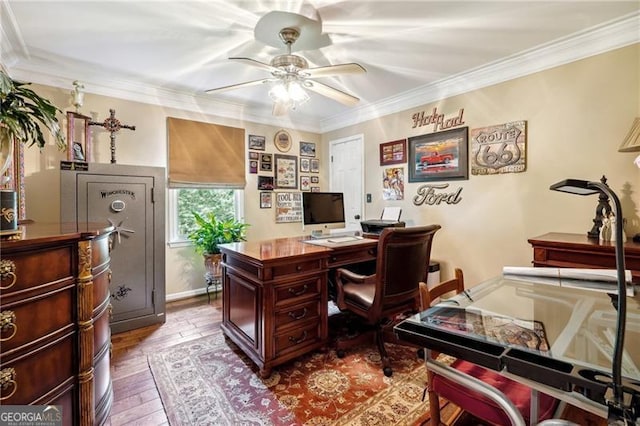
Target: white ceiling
[{"x": 170, "y": 52}]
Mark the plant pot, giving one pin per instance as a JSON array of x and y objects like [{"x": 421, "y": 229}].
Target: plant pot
[
  {"x": 8, "y": 211},
  {"x": 212, "y": 264}
]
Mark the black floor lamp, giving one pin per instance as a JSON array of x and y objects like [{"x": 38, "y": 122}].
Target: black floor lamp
[{"x": 620, "y": 410}]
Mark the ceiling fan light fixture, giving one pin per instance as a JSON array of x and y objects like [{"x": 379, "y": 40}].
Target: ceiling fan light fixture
[{"x": 289, "y": 93}]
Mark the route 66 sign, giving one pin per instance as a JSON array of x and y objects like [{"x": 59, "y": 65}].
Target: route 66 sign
[{"x": 499, "y": 149}]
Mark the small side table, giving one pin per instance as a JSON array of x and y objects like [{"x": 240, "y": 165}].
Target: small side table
[{"x": 215, "y": 282}]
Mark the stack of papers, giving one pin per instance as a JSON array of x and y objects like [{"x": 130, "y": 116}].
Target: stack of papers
[{"x": 604, "y": 280}]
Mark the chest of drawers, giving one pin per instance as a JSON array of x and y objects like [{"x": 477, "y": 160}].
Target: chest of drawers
[{"x": 54, "y": 326}]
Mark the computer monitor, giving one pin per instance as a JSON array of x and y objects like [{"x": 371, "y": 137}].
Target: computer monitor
[{"x": 322, "y": 211}]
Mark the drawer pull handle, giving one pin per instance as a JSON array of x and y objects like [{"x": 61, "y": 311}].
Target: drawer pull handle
[
  {"x": 299, "y": 268},
  {"x": 297, "y": 317},
  {"x": 299, "y": 293},
  {"x": 7, "y": 379},
  {"x": 7, "y": 271},
  {"x": 8, "y": 322},
  {"x": 300, "y": 340}
]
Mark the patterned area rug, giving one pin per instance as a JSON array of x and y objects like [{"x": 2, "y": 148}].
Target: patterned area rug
[{"x": 209, "y": 381}]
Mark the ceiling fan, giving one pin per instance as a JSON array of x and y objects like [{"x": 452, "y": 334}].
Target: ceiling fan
[{"x": 290, "y": 75}]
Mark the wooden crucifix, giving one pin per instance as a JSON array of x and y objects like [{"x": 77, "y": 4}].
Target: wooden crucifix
[{"x": 112, "y": 124}]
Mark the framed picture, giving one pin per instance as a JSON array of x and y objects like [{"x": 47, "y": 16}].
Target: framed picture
[
  {"x": 253, "y": 155},
  {"x": 266, "y": 162},
  {"x": 286, "y": 171},
  {"x": 305, "y": 183},
  {"x": 305, "y": 165},
  {"x": 13, "y": 178},
  {"x": 315, "y": 165},
  {"x": 288, "y": 207},
  {"x": 282, "y": 141},
  {"x": 439, "y": 156},
  {"x": 266, "y": 200},
  {"x": 315, "y": 179},
  {"x": 253, "y": 166},
  {"x": 315, "y": 189},
  {"x": 265, "y": 183},
  {"x": 307, "y": 149},
  {"x": 257, "y": 142},
  {"x": 78, "y": 137},
  {"x": 393, "y": 152}
]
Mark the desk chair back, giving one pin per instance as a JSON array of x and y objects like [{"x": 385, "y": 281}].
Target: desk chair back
[{"x": 401, "y": 264}]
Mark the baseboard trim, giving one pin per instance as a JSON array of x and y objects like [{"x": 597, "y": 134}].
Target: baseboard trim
[{"x": 187, "y": 294}]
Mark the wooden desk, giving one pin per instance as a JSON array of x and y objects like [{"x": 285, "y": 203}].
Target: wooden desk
[
  {"x": 561, "y": 250},
  {"x": 275, "y": 295}
]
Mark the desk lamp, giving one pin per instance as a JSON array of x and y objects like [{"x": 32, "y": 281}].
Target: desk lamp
[{"x": 617, "y": 409}]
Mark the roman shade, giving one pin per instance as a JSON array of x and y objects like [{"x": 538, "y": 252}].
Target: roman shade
[{"x": 205, "y": 155}]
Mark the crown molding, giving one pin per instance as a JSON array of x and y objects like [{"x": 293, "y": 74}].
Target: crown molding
[
  {"x": 136, "y": 92},
  {"x": 603, "y": 38}
]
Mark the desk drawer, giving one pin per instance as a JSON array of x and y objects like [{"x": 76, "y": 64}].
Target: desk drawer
[
  {"x": 297, "y": 338},
  {"x": 285, "y": 294},
  {"x": 22, "y": 271},
  {"x": 343, "y": 257},
  {"x": 300, "y": 267},
  {"x": 36, "y": 373},
  {"x": 295, "y": 315},
  {"x": 30, "y": 320}
]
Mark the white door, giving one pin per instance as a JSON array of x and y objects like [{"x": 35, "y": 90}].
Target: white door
[{"x": 347, "y": 176}]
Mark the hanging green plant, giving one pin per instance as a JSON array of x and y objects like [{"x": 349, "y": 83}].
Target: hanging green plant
[{"x": 22, "y": 112}]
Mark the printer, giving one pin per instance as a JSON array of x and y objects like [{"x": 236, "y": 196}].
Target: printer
[{"x": 390, "y": 218}]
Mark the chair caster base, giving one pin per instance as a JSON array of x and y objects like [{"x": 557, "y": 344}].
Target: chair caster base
[
  {"x": 420, "y": 353},
  {"x": 340, "y": 353},
  {"x": 387, "y": 371}
]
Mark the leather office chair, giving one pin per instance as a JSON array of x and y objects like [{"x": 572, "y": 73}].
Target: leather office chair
[
  {"x": 469, "y": 400},
  {"x": 401, "y": 264}
]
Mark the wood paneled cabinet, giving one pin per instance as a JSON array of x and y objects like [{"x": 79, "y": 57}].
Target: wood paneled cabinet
[
  {"x": 54, "y": 317},
  {"x": 562, "y": 250}
]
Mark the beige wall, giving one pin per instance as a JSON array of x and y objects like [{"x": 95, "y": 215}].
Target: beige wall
[
  {"x": 146, "y": 146},
  {"x": 577, "y": 115}
]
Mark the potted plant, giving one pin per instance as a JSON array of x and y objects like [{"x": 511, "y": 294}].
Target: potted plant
[
  {"x": 22, "y": 112},
  {"x": 210, "y": 233}
]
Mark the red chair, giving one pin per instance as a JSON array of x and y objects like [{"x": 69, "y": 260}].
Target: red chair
[{"x": 467, "y": 399}]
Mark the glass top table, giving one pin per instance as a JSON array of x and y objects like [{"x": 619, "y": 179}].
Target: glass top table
[{"x": 559, "y": 337}]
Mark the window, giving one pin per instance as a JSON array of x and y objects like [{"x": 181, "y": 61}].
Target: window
[{"x": 224, "y": 203}]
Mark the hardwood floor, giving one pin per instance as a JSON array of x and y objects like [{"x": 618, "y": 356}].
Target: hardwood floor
[{"x": 136, "y": 398}]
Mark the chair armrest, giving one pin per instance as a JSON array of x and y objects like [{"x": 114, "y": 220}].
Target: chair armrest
[{"x": 352, "y": 277}]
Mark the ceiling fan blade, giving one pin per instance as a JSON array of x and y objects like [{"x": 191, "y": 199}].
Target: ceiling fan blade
[
  {"x": 258, "y": 64},
  {"x": 350, "y": 68},
  {"x": 238, "y": 86},
  {"x": 330, "y": 92}
]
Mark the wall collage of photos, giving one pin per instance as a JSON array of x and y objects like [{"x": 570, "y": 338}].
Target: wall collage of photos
[{"x": 283, "y": 171}]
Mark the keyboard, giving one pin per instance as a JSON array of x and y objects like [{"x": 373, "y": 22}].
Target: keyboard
[{"x": 342, "y": 239}]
